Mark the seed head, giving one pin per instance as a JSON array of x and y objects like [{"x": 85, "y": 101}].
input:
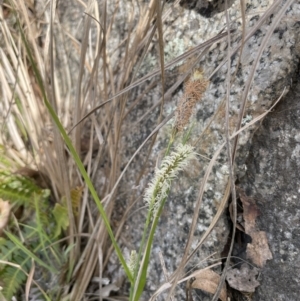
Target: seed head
[
  {"x": 159, "y": 187},
  {"x": 193, "y": 91}
]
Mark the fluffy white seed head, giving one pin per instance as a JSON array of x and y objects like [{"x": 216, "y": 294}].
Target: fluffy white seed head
[{"x": 159, "y": 186}]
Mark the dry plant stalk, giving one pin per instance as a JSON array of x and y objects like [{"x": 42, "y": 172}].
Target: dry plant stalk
[
  {"x": 194, "y": 89},
  {"x": 4, "y": 214}
]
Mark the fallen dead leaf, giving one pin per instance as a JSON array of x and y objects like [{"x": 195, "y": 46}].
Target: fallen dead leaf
[
  {"x": 243, "y": 279},
  {"x": 208, "y": 281},
  {"x": 258, "y": 250}
]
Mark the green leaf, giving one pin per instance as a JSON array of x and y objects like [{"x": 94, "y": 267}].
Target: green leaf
[
  {"x": 17, "y": 188},
  {"x": 142, "y": 275},
  {"x": 60, "y": 214}
]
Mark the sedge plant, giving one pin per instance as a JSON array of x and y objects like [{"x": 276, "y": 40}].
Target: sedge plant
[{"x": 174, "y": 161}]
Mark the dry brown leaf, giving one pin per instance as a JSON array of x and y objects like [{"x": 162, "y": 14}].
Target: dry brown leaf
[
  {"x": 4, "y": 214},
  {"x": 244, "y": 279},
  {"x": 208, "y": 281},
  {"x": 258, "y": 250}
]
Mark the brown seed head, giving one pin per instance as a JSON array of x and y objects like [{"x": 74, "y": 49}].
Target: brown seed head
[{"x": 193, "y": 91}]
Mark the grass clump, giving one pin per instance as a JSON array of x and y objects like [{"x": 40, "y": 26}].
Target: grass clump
[{"x": 70, "y": 127}]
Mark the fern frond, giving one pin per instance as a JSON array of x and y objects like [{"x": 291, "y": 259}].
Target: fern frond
[
  {"x": 11, "y": 277},
  {"x": 17, "y": 188},
  {"x": 42, "y": 212},
  {"x": 36, "y": 232},
  {"x": 42, "y": 225},
  {"x": 7, "y": 249},
  {"x": 29, "y": 253}
]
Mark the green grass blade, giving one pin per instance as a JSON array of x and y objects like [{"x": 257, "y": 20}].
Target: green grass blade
[
  {"x": 21, "y": 246},
  {"x": 136, "y": 271},
  {"x": 141, "y": 280}
]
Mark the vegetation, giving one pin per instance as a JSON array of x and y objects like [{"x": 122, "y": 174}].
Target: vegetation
[
  {"x": 61, "y": 130},
  {"x": 38, "y": 180}
]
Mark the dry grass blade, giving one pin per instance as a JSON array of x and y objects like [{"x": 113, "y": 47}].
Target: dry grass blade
[
  {"x": 161, "y": 53},
  {"x": 186, "y": 55},
  {"x": 29, "y": 281},
  {"x": 58, "y": 142},
  {"x": 162, "y": 262},
  {"x": 21, "y": 5},
  {"x": 230, "y": 156},
  {"x": 77, "y": 104},
  {"x": 5, "y": 208}
]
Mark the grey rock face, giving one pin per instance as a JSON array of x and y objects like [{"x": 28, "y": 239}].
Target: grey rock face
[
  {"x": 272, "y": 179},
  {"x": 275, "y": 67},
  {"x": 277, "y": 64},
  {"x": 205, "y": 8}
]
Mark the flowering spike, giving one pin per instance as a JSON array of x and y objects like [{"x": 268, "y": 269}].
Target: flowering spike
[
  {"x": 159, "y": 187},
  {"x": 132, "y": 261}
]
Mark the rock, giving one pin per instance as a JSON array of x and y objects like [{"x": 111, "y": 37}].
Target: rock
[
  {"x": 272, "y": 179},
  {"x": 276, "y": 66}
]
